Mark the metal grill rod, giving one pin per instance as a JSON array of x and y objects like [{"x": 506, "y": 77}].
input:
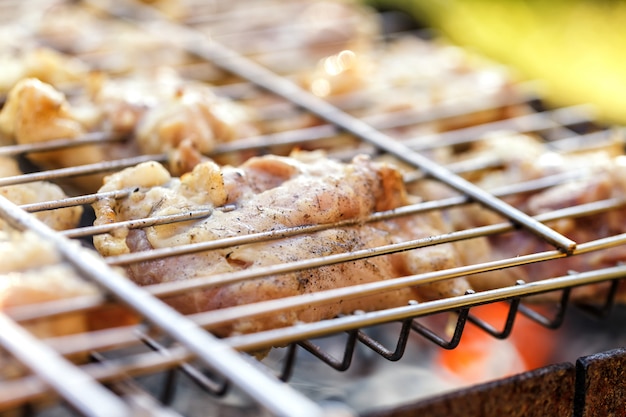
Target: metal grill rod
[
  {"x": 199, "y": 44},
  {"x": 80, "y": 170},
  {"x": 589, "y": 141},
  {"x": 53, "y": 308},
  {"x": 255, "y": 341},
  {"x": 526, "y": 123},
  {"x": 74, "y": 201},
  {"x": 203, "y": 16},
  {"x": 75, "y": 386},
  {"x": 99, "y": 340},
  {"x": 533, "y": 122},
  {"x": 91, "y": 138},
  {"x": 139, "y": 223},
  {"x": 32, "y": 387}
]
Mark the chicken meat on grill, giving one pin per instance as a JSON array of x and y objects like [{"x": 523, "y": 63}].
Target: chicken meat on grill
[
  {"x": 45, "y": 64},
  {"x": 270, "y": 193},
  {"x": 32, "y": 272},
  {"x": 596, "y": 174},
  {"x": 38, "y": 192},
  {"x": 160, "y": 114}
]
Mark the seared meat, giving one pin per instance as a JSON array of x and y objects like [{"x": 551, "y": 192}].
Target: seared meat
[{"x": 270, "y": 193}]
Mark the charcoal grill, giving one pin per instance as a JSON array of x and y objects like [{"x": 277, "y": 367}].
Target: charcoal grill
[{"x": 167, "y": 343}]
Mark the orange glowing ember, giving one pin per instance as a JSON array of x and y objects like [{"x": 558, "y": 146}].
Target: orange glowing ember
[{"x": 480, "y": 357}]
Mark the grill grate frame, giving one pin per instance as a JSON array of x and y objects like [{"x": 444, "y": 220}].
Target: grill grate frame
[{"x": 177, "y": 357}]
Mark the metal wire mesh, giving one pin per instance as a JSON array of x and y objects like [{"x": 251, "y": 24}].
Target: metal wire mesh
[{"x": 176, "y": 342}]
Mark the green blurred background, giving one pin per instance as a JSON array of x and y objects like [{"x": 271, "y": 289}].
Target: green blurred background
[{"x": 576, "y": 48}]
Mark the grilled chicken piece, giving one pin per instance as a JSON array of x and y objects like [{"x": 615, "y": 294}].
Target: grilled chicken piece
[
  {"x": 32, "y": 272},
  {"x": 45, "y": 64},
  {"x": 166, "y": 114},
  {"x": 163, "y": 114},
  {"x": 36, "y": 112},
  {"x": 602, "y": 174},
  {"x": 37, "y": 192},
  {"x": 270, "y": 193}
]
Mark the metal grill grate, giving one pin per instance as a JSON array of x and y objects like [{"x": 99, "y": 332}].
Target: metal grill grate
[{"x": 175, "y": 343}]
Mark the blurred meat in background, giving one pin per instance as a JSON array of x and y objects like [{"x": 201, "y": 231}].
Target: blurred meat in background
[{"x": 575, "y": 48}]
